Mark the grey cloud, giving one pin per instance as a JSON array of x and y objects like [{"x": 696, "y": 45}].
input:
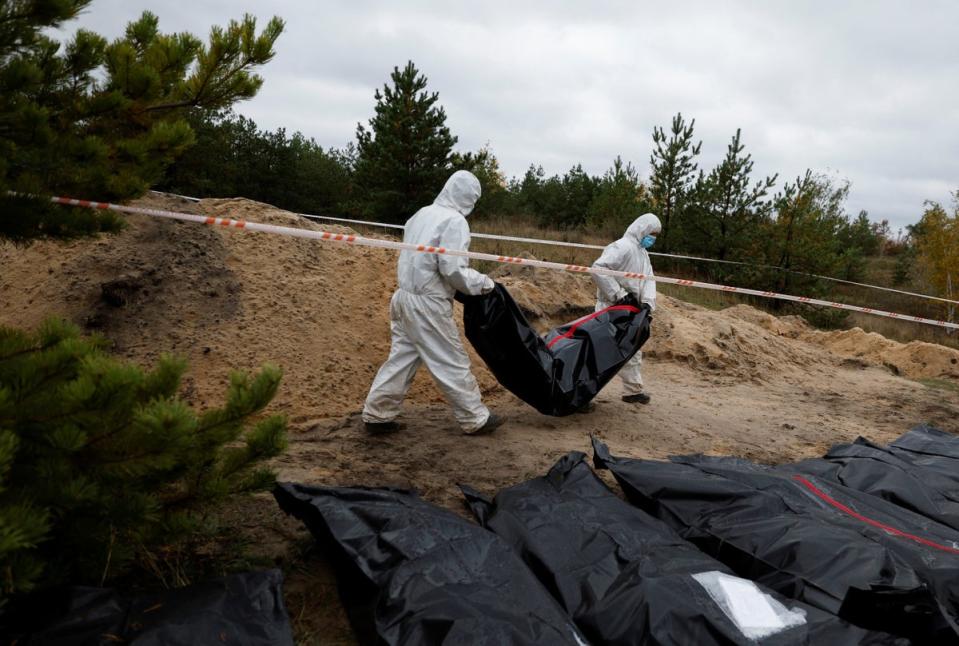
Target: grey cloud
[{"x": 865, "y": 89}]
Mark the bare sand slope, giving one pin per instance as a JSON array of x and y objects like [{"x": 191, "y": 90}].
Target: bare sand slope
[{"x": 737, "y": 381}]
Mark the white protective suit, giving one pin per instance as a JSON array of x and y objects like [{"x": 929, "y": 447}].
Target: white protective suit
[
  {"x": 421, "y": 311},
  {"x": 627, "y": 254}
]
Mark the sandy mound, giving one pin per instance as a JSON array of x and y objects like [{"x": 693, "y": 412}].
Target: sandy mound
[
  {"x": 747, "y": 346},
  {"x": 916, "y": 360},
  {"x": 547, "y": 297},
  {"x": 788, "y": 326}
]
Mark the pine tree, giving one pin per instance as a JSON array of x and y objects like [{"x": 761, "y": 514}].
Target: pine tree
[
  {"x": 672, "y": 172},
  {"x": 529, "y": 191},
  {"x": 726, "y": 212},
  {"x": 234, "y": 157},
  {"x": 579, "y": 188},
  {"x": 101, "y": 120},
  {"x": 620, "y": 198},
  {"x": 403, "y": 159},
  {"x": 102, "y": 466},
  {"x": 808, "y": 233}
]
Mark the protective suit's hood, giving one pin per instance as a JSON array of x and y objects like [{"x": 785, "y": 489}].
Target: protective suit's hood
[
  {"x": 461, "y": 192},
  {"x": 644, "y": 225}
]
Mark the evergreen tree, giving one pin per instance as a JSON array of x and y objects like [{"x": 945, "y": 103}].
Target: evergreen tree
[
  {"x": 905, "y": 264},
  {"x": 529, "y": 191},
  {"x": 673, "y": 169},
  {"x": 579, "y": 188},
  {"x": 103, "y": 120},
  {"x": 102, "y": 466},
  {"x": 233, "y": 157},
  {"x": 726, "y": 212},
  {"x": 810, "y": 233},
  {"x": 620, "y": 198},
  {"x": 866, "y": 236},
  {"x": 403, "y": 158}
]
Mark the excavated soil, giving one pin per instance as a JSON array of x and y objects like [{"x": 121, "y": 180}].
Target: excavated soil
[{"x": 736, "y": 381}]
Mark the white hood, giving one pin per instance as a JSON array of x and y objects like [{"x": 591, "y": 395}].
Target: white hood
[
  {"x": 461, "y": 192},
  {"x": 443, "y": 224},
  {"x": 644, "y": 225}
]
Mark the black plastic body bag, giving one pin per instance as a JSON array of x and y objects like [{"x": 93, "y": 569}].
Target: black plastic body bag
[
  {"x": 412, "y": 573},
  {"x": 919, "y": 471},
  {"x": 560, "y": 373},
  {"x": 238, "y": 609},
  {"x": 853, "y": 554},
  {"x": 626, "y": 577}
]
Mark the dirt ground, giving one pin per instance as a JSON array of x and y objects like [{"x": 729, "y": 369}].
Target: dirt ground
[{"x": 736, "y": 381}]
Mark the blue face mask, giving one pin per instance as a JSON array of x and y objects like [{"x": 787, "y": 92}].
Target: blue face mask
[{"x": 648, "y": 241}]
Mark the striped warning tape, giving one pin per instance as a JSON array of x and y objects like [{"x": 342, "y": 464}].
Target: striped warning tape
[
  {"x": 404, "y": 246},
  {"x": 580, "y": 245}
]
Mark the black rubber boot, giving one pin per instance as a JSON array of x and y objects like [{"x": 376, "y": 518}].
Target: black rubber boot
[
  {"x": 637, "y": 398},
  {"x": 492, "y": 423}
]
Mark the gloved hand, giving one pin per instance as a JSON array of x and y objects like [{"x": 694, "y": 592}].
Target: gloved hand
[
  {"x": 488, "y": 286},
  {"x": 628, "y": 299}
]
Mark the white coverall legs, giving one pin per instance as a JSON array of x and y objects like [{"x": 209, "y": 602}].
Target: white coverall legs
[
  {"x": 631, "y": 373},
  {"x": 424, "y": 332}
]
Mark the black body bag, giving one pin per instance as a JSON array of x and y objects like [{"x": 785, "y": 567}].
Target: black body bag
[
  {"x": 413, "y": 573},
  {"x": 627, "y": 578},
  {"x": 239, "y": 609},
  {"x": 561, "y": 372},
  {"x": 919, "y": 471},
  {"x": 853, "y": 554}
]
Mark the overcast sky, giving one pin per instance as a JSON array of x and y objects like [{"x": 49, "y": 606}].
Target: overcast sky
[{"x": 867, "y": 91}]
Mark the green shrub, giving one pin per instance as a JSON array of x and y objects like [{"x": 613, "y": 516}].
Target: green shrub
[{"x": 101, "y": 465}]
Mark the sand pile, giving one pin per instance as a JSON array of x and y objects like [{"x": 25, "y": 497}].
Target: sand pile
[
  {"x": 915, "y": 360},
  {"x": 789, "y": 326},
  {"x": 744, "y": 346},
  {"x": 547, "y": 297}
]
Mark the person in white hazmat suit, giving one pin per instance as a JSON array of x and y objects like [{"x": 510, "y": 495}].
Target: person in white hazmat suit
[
  {"x": 629, "y": 254},
  {"x": 421, "y": 315}
]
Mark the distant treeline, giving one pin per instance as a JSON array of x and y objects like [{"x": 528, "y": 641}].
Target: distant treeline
[{"x": 400, "y": 159}]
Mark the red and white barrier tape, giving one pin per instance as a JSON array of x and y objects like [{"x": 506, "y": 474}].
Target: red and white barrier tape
[
  {"x": 580, "y": 245},
  {"x": 403, "y": 246}
]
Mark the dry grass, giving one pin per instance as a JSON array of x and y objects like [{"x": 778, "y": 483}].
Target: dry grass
[{"x": 940, "y": 384}]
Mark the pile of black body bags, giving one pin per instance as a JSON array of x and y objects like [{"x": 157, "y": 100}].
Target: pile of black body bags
[{"x": 859, "y": 547}]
